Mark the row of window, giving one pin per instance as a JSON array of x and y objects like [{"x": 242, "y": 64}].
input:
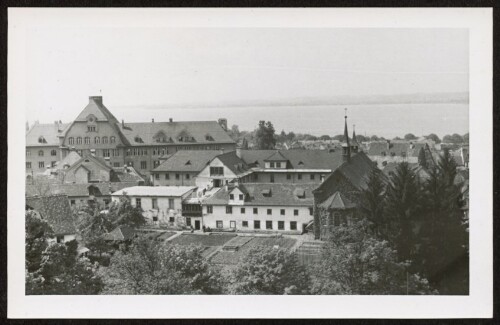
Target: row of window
[
  {"x": 41, "y": 153},
  {"x": 273, "y": 164},
  {"x": 41, "y": 164},
  {"x": 229, "y": 210},
  {"x": 256, "y": 224},
  {"x": 97, "y": 140},
  {"x": 154, "y": 203},
  {"x": 177, "y": 176}
]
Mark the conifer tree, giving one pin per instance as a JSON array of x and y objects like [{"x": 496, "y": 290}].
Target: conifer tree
[{"x": 373, "y": 205}]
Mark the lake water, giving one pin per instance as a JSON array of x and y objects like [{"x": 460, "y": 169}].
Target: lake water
[{"x": 387, "y": 120}]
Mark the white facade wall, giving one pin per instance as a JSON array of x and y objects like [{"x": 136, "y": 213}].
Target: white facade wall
[
  {"x": 65, "y": 238},
  {"x": 205, "y": 180},
  {"x": 219, "y": 214}
]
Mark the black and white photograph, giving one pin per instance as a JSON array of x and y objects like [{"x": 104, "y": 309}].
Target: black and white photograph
[{"x": 166, "y": 157}]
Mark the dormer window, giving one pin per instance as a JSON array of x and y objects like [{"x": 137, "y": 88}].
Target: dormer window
[
  {"x": 208, "y": 137},
  {"x": 41, "y": 139},
  {"x": 272, "y": 165},
  {"x": 138, "y": 139},
  {"x": 188, "y": 162},
  {"x": 301, "y": 163},
  {"x": 278, "y": 165},
  {"x": 91, "y": 128},
  {"x": 266, "y": 193}
]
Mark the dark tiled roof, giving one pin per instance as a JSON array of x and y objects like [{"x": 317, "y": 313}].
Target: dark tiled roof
[
  {"x": 97, "y": 160},
  {"x": 188, "y": 161},
  {"x": 48, "y": 131},
  {"x": 96, "y": 108},
  {"x": 337, "y": 201},
  {"x": 120, "y": 233},
  {"x": 233, "y": 162},
  {"x": 78, "y": 190},
  {"x": 56, "y": 210},
  {"x": 69, "y": 160},
  {"x": 395, "y": 147},
  {"x": 298, "y": 159},
  {"x": 280, "y": 194},
  {"x": 126, "y": 174},
  {"x": 199, "y": 130},
  {"x": 277, "y": 156}
]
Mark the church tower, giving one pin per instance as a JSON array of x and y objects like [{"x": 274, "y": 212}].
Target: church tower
[
  {"x": 355, "y": 144},
  {"x": 346, "y": 148}
]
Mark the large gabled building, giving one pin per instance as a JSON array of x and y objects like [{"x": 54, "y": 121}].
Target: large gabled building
[{"x": 98, "y": 132}]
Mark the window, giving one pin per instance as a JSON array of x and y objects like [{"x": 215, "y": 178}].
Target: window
[
  {"x": 28, "y": 153},
  {"x": 188, "y": 221},
  {"x": 219, "y": 224},
  {"x": 156, "y": 163},
  {"x": 167, "y": 176},
  {"x": 231, "y": 196},
  {"x": 42, "y": 140},
  {"x": 116, "y": 164},
  {"x": 229, "y": 209},
  {"x": 87, "y": 140},
  {"x": 138, "y": 203},
  {"x": 311, "y": 211},
  {"x": 312, "y": 177},
  {"x": 293, "y": 225},
  {"x": 171, "y": 219},
  {"x": 216, "y": 171},
  {"x": 41, "y": 164},
  {"x": 53, "y": 164},
  {"x": 255, "y": 210},
  {"x": 72, "y": 202},
  {"x": 79, "y": 140},
  {"x": 154, "y": 203},
  {"x": 53, "y": 153},
  {"x": 271, "y": 178},
  {"x": 232, "y": 224},
  {"x": 299, "y": 176},
  {"x": 157, "y": 176},
  {"x": 269, "y": 212},
  {"x": 336, "y": 219},
  {"x": 28, "y": 165},
  {"x": 171, "y": 204},
  {"x": 281, "y": 225},
  {"x": 40, "y": 153},
  {"x": 155, "y": 218},
  {"x": 240, "y": 197},
  {"x": 177, "y": 176},
  {"x": 144, "y": 165},
  {"x": 269, "y": 224},
  {"x": 112, "y": 140},
  {"x": 272, "y": 165},
  {"x": 256, "y": 224},
  {"x": 105, "y": 153},
  {"x": 60, "y": 239},
  {"x": 244, "y": 224},
  {"x": 188, "y": 176},
  {"x": 104, "y": 139},
  {"x": 97, "y": 140},
  {"x": 242, "y": 210},
  {"x": 322, "y": 178},
  {"x": 71, "y": 140},
  {"x": 282, "y": 212},
  {"x": 295, "y": 212},
  {"x": 278, "y": 165},
  {"x": 210, "y": 209},
  {"x": 288, "y": 176},
  {"x": 91, "y": 128}
]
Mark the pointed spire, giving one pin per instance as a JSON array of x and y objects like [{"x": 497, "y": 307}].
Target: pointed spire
[
  {"x": 346, "y": 148},
  {"x": 346, "y": 133}
]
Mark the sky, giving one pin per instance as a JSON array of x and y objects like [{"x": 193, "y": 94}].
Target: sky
[{"x": 154, "y": 73}]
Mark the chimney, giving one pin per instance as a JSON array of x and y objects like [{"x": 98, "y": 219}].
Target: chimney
[
  {"x": 170, "y": 120},
  {"x": 123, "y": 123},
  {"x": 152, "y": 120},
  {"x": 223, "y": 123},
  {"x": 221, "y": 151}
]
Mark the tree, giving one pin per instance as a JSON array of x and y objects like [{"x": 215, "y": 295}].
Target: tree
[
  {"x": 374, "y": 138},
  {"x": 62, "y": 272},
  {"x": 151, "y": 267},
  {"x": 448, "y": 167},
  {"x": 244, "y": 144},
  {"x": 397, "y": 138},
  {"x": 355, "y": 262},
  {"x": 338, "y": 137},
  {"x": 466, "y": 138},
  {"x": 234, "y": 132},
  {"x": 124, "y": 213},
  {"x": 454, "y": 138},
  {"x": 403, "y": 206},
  {"x": 372, "y": 204},
  {"x": 434, "y": 138},
  {"x": 265, "y": 136},
  {"x": 267, "y": 270},
  {"x": 290, "y": 136},
  {"x": 410, "y": 136},
  {"x": 324, "y": 137},
  {"x": 37, "y": 232},
  {"x": 422, "y": 159}
]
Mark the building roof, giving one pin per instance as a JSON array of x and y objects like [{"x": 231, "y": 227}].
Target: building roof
[
  {"x": 69, "y": 160},
  {"x": 120, "y": 233},
  {"x": 96, "y": 108},
  {"x": 155, "y": 191},
  {"x": 76, "y": 190},
  {"x": 233, "y": 162},
  {"x": 395, "y": 147},
  {"x": 56, "y": 210},
  {"x": 276, "y": 194},
  {"x": 297, "y": 159},
  {"x": 49, "y": 132},
  {"x": 203, "y": 132},
  {"x": 187, "y": 161},
  {"x": 125, "y": 174},
  {"x": 337, "y": 201},
  {"x": 276, "y": 156}
]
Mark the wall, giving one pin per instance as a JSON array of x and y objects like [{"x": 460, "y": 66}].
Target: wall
[
  {"x": 47, "y": 158},
  {"x": 280, "y": 177},
  {"x": 219, "y": 213},
  {"x": 78, "y": 174},
  {"x": 163, "y": 212},
  {"x": 172, "y": 181},
  {"x": 204, "y": 179}
]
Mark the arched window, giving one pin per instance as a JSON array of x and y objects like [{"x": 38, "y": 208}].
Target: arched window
[
  {"x": 87, "y": 140},
  {"x": 40, "y": 153},
  {"x": 53, "y": 152},
  {"x": 97, "y": 140},
  {"x": 112, "y": 139},
  {"x": 104, "y": 139},
  {"x": 41, "y": 139},
  {"x": 79, "y": 140},
  {"x": 71, "y": 140}
]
